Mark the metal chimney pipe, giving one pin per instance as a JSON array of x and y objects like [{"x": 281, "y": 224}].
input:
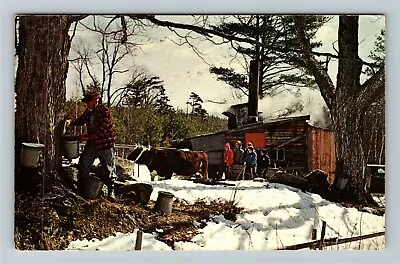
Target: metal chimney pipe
[{"x": 253, "y": 89}]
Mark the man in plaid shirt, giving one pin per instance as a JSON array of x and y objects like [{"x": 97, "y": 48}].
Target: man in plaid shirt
[{"x": 100, "y": 141}]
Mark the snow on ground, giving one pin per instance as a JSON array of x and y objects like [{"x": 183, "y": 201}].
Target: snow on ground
[
  {"x": 119, "y": 242},
  {"x": 380, "y": 199},
  {"x": 274, "y": 216}
]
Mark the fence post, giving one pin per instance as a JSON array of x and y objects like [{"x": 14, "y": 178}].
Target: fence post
[
  {"x": 139, "y": 236},
  {"x": 313, "y": 237},
  {"x": 314, "y": 234},
  {"x": 321, "y": 242}
]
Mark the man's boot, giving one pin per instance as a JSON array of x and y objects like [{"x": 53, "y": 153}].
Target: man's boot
[
  {"x": 81, "y": 188},
  {"x": 110, "y": 193}
]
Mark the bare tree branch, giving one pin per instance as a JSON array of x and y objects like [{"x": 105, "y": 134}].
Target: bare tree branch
[
  {"x": 373, "y": 89},
  {"x": 212, "y": 32},
  {"x": 322, "y": 78}
]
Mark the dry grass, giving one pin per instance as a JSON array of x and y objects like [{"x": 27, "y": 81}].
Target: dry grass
[{"x": 53, "y": 224}]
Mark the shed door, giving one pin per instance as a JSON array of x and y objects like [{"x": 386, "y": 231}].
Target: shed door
[{"x": 258, "y": 139}]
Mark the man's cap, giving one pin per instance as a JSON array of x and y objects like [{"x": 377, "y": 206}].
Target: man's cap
[{"x": 89, "y": 96}]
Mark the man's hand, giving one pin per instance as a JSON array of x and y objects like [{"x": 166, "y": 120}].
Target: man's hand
[{"x": 68, "y": 122}]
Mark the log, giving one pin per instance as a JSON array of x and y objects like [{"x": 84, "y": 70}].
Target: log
[
  {"x": 318, "y": 179},
  {"x": 289, "y": 179}
]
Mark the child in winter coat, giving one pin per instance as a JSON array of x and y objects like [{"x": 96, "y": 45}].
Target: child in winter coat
[{"x": 250, "y": 161}]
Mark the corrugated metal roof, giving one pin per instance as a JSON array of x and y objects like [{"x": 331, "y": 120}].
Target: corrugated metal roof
[{"x": 255, "y": 125}]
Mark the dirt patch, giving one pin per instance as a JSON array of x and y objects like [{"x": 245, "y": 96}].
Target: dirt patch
[{"x": 51, "y": 222}]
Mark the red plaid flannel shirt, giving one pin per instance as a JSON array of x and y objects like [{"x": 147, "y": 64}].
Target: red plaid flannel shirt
[{"x": 99, "y": 125}]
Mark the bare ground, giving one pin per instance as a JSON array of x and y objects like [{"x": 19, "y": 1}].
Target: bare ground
[{"x": 52, "y": 221}]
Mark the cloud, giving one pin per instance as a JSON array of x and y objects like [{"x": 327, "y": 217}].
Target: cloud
[{"x": 184, "y": 72}]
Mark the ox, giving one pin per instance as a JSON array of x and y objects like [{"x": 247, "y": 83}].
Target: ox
[{"x": 166, "y": 161}]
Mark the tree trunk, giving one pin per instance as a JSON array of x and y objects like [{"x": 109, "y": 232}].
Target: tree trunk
[
  {"x": 347, "y": 111},
  {"x": 348, "y": 102},
  {"x": 43, "y": 47},
  {"x": 350, "y": 156}
]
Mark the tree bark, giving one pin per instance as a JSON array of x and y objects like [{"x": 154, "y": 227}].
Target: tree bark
[
  {"x": 43, "y": 47},
  {"x": 347, "y": 102},
  {"x": 347, "y": 112}
]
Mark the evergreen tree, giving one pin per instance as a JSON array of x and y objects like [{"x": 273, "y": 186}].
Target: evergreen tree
[
  {"x": 279, "y": 66},
  {"x": 161, "y": 102},
  {"x": 378, "y": 53},
  {"x": 195, "y": 102},
  {"x": 143, "y": 90}
]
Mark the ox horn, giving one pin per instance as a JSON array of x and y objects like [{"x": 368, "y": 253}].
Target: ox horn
[{"x": 140, "y": 154}]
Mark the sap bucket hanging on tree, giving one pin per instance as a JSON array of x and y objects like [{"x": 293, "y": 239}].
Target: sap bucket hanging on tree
[
  {"x": 71, "y": 147},
  {"x": 30, "y": 154},
  {"x": 70, "y": 144}
]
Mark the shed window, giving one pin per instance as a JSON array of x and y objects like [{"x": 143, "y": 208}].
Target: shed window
[{"x": 278, "y": 154}]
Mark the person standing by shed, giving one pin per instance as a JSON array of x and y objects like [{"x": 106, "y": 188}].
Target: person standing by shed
[
  {"x": 238, "y": 153},
  {"x": 228, "y": 160},
  {"x": 263, "y": 161},
  {"x": 250, "y": 162},
  {"x": 246, "y": 151}
]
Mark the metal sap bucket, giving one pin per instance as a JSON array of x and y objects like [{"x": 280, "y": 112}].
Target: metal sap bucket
[
  {"x": 30, "y": 154},
  {"x": 144, "y": 193},
  {"x": 164, "y": 202},
  {"x": 341, "y": 184},
  {"x": 71, "y": 147},
  {"x": 92, "y": 187}
]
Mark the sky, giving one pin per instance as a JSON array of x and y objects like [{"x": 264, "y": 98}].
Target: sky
[
  {"x": 8, "y": 11},
  {"x": 274, "y": 215},
  {"x": 184, "y": 72}
]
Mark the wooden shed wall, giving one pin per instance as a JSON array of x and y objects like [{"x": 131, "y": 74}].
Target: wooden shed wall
[
  {"x": 321, "y": 151},
  {"x": 290, "y": 135},
  {"x": 306, "y": 148},
  {"x": 212, "y": 142}
]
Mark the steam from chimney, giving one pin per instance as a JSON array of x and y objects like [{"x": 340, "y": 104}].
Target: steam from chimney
[{"x": 312, "y": 104}]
